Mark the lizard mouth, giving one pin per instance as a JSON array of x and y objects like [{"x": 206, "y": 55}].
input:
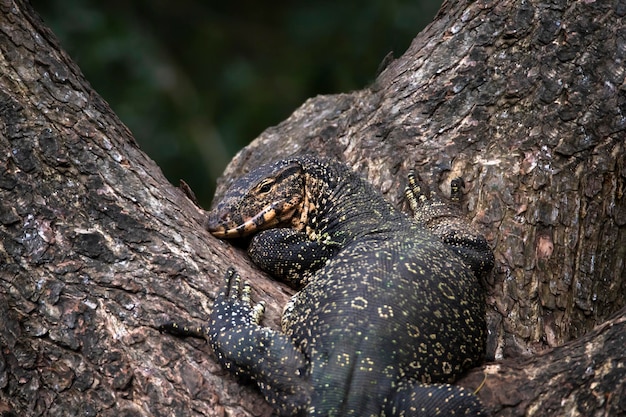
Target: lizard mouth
[{"x": 270, "y": 216}]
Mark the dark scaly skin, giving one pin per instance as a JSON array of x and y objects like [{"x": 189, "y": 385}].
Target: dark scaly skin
[{"x": 387, "y": 313}]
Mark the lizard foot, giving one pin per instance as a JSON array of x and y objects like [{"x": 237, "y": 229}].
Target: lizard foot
[
  {"x": 233, "y": 320},
  {"x": 253, "y": 352},
  {"x": 233, "y": 302},
  {"x": 427, "y": 205},
  {"x": 446, "y": 221}
]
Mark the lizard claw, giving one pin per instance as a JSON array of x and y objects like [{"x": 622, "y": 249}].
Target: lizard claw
[
  {"x": 414, "y": 193},
  {"x": 234, "y": 304},
  {"x": 457, "y": 185}
]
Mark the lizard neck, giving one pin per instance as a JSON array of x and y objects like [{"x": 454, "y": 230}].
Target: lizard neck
[{"x": 341, "y": 207}]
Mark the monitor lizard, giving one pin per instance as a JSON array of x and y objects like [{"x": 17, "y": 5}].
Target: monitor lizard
[{"x": 390, "y": 309}]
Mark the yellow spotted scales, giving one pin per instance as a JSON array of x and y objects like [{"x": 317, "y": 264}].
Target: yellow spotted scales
[{"x": 389, "y": 309}]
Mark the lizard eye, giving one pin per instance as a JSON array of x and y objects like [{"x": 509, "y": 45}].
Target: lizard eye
[{"x": 265, "y": 188}]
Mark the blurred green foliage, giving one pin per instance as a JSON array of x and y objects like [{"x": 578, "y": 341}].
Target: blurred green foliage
[{"x": 195, "y": 80}]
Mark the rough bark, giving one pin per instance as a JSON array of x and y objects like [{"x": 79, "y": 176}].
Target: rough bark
[{"x": 524, "y": 99}]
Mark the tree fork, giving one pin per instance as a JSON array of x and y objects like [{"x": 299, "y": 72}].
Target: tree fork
[{"x": 524, "y": 100}]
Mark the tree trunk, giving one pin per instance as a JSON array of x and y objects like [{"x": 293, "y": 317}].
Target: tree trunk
[{"x": 524, "y": 99}]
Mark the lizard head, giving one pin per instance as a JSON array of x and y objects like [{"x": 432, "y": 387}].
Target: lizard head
[{"x": 268, "y": 196}]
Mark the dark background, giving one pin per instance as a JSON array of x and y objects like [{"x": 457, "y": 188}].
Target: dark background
[{"x": 195, "y": 81}]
